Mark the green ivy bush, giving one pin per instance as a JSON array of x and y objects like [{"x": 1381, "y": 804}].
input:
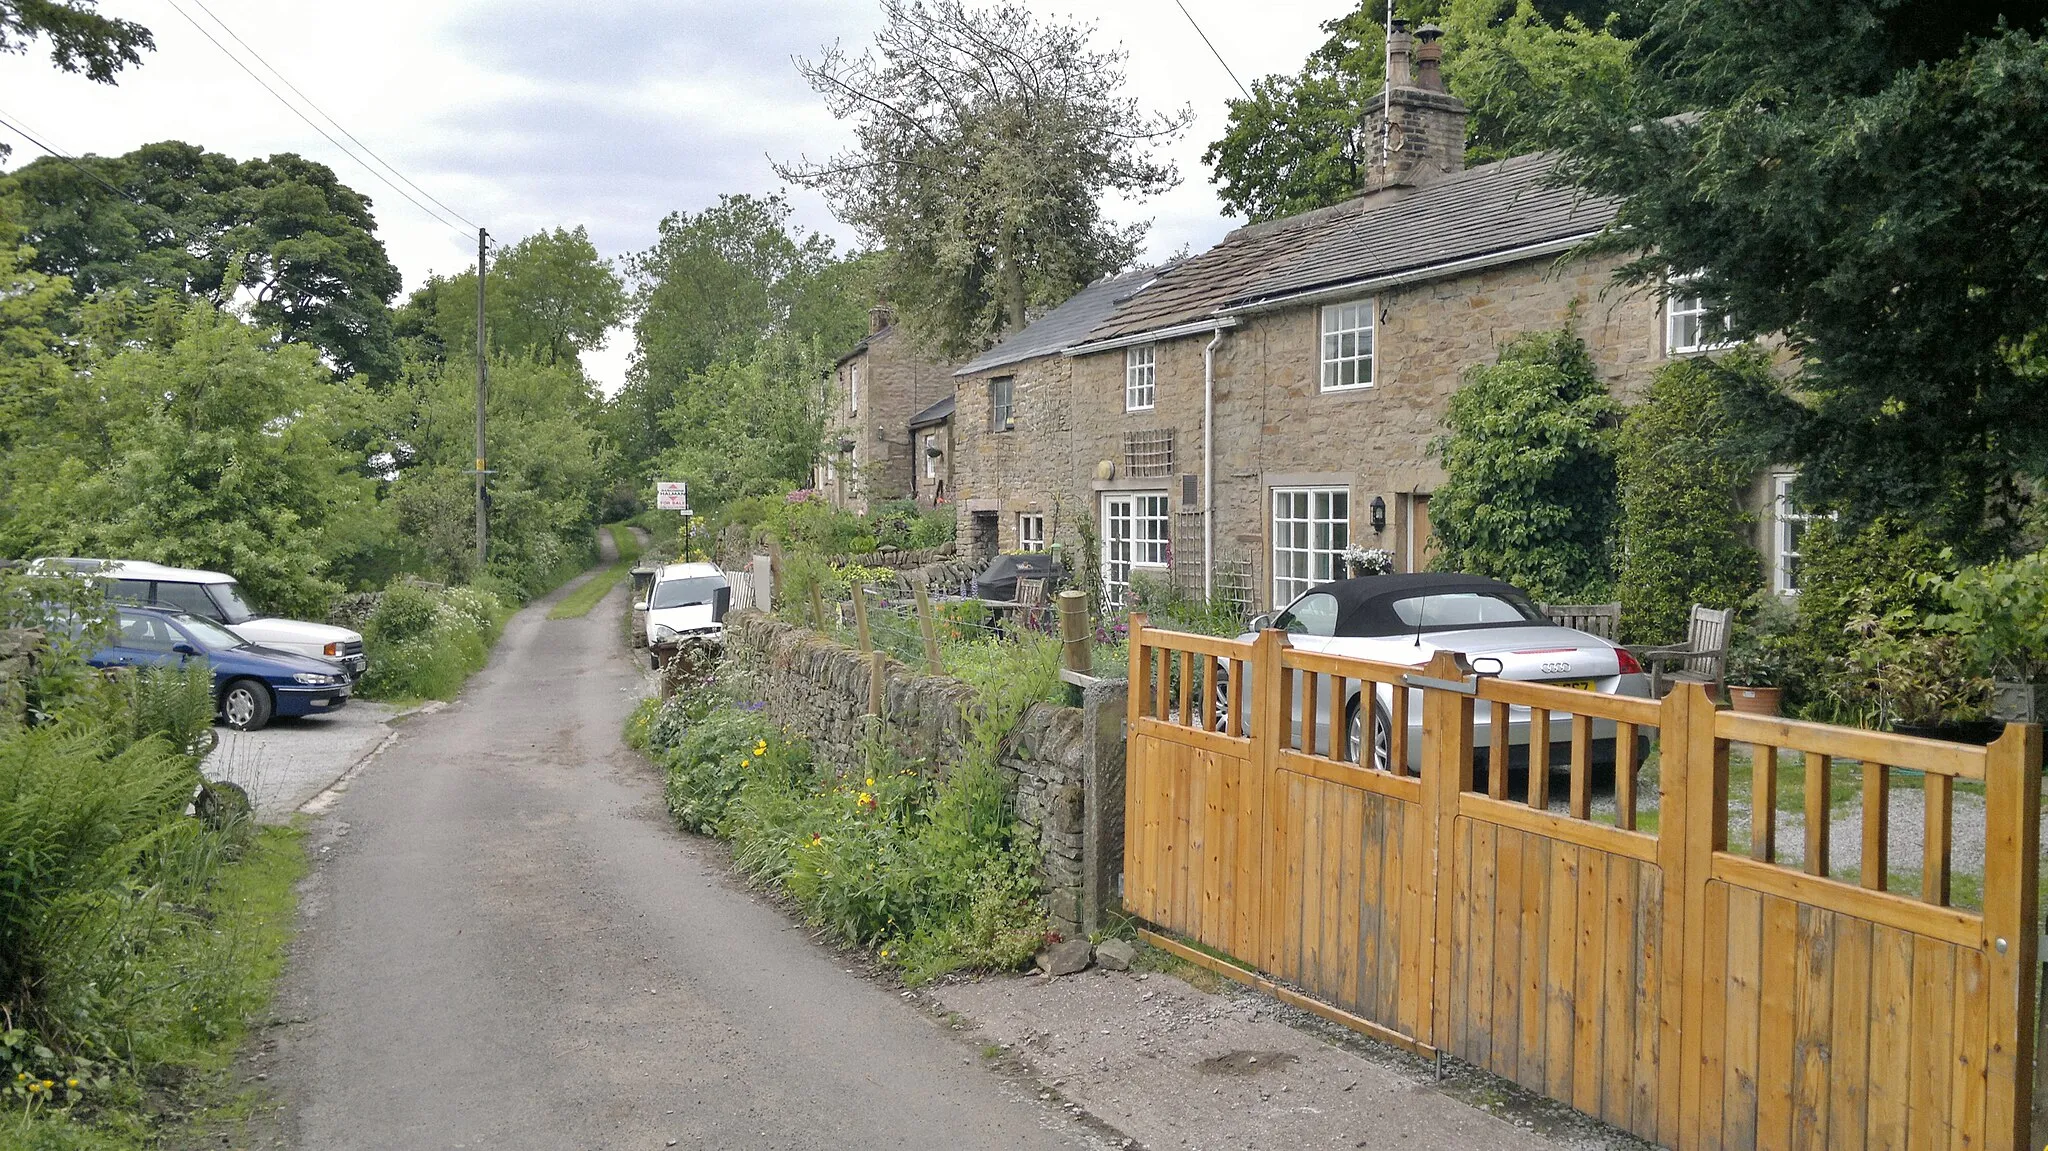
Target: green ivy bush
[
  {"x": 1682, "y": 465},
  {"x": 1879, "y": 570},
  {"x": 1529, "y": 493}
]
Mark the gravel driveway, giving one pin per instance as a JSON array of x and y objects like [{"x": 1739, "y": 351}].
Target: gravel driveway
[{"x": 293, "y": 760}]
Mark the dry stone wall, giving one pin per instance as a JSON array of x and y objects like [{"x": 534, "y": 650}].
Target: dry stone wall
[
  {"x": 818, "y": 689},
  {"x": 19, "y": 650}
]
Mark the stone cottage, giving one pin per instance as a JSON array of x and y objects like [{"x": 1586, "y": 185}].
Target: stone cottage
[
  {"x": 879, "y": 391},
  {"x": 1233, "y": 422}
]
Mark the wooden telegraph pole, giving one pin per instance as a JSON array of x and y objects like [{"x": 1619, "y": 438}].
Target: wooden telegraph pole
[{"x": 482, "y": 391}]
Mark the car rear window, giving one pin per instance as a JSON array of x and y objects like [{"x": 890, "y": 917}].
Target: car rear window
[
  {"x": 186, "y": 597},
  {"x": 1445, "y": 610}
]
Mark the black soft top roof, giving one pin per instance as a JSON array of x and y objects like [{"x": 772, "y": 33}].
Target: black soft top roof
[{"x": 1365, "y": 604}]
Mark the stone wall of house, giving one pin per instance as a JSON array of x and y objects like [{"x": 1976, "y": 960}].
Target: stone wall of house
[
  {"x": 19, "y": 650},
  {"x": 817, "y": 688},
  {"x": 1274, "y": 427},
  {"x": 897, "y": 381}
]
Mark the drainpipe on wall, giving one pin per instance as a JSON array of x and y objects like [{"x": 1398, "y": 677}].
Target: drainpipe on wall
[{"x": 1209, "y": 466}]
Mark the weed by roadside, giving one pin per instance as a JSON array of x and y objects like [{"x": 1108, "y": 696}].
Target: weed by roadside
[{"x": 927, "y": 871}]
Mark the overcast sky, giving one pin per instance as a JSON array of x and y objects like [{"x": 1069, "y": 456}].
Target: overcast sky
[{"x": 522, "y": 115}]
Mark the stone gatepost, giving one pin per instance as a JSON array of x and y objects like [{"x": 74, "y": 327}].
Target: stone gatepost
[{"x": 1102, "y": 807}]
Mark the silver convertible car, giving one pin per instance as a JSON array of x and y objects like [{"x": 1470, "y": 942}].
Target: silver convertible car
[{"x": 1408, "y": 618}]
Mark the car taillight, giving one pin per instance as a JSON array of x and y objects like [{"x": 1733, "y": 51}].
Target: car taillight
[
  {"x": 1628, "y": 663},
  {"x": 333, "y": 648}
]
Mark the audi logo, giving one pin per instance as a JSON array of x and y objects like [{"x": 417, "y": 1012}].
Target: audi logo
[{"x": 1556, "y": 667}]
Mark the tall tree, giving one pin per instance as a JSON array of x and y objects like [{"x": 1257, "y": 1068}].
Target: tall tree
[
  {"x": 551, "y": 298},
  {"x": 985, "y": 143},
  {"x": 81, "y": 40},
  {"x": 1295, "y": 143},
  {"x": 1866, "y": 180},
  {"x": 281, "y": 236},
  {"x": 718, "y": 287}
]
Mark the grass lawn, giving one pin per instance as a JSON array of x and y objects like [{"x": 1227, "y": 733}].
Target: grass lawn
[{"x": 579, "y": 602}]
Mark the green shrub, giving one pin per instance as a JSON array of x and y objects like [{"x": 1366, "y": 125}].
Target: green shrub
[
  {"x": 1880, "y": 571},
  {"x": 1529, "y": 488},
  {"x": 928, "y": 871},
  {"x": 425, "y": 643},
  {"x": 1682, "y": 469}
]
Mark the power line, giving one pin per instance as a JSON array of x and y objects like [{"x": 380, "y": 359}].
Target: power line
[
  {"x": 294, "y": 108},
  {"x": 1212, "y": 48},
  {"x": 82, "y": 169},
  {"x": 272, "y": 69}
]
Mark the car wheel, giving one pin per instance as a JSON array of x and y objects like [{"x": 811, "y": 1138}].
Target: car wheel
[
  {"x": 1354, "y": 733},
  {"x": 245, "y": 705}
]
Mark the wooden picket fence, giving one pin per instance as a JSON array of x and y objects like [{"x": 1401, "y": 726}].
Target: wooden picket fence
[{"x": 1636, "y": 969}]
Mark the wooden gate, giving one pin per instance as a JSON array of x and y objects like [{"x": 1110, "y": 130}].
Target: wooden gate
[{"x": 1640, "y": 971}]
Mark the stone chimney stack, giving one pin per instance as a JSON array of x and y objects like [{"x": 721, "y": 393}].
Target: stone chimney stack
[
  {"x": 1415, "y": 131},
  {"x": 880, "y": 316}
]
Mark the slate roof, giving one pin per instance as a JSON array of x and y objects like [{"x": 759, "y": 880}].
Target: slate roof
[
  {"x": 938, "y": 413},
  {"x": 1488, "y": 210},
  {"x": 1066, "y": 324},
  {"x": 1194, "y": 289}
]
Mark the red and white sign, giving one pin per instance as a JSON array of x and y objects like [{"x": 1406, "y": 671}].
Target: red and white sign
[{"x": 672, "y": 496}]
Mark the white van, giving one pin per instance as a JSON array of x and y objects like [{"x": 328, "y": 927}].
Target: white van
[
  {"x": 216, "y": 596},
  {"x": 687, "y": 601}
]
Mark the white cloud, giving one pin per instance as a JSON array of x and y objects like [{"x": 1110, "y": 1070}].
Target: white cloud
[{"x": 523, "y": 115}]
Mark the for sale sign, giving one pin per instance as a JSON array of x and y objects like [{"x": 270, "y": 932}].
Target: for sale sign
[{"x": 672, "y": 496}]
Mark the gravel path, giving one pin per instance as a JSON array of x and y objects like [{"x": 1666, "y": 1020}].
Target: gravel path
[{"x": 293, "y": 760}]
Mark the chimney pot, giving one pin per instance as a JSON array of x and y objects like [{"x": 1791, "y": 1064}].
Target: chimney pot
[
  {"x": 880, "y": 316},
  {"x": 1400, "y": 54}
]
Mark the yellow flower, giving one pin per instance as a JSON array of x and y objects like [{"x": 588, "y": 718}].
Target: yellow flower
[
  {"x": 34, "y": 1087},
  {"x": 746, "y": 763},
  {"x": 71, "y": 1083},
  {"x": 871, "y": 781}
]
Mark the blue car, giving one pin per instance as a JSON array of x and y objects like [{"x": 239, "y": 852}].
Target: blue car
[{"x": 251, "y": 684}]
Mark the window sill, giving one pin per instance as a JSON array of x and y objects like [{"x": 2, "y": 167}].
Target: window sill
[
  {"x": 1133, "y": 411},
  {"x": 1703, "y": 349},
  {"x": 1344, "y": 390}
]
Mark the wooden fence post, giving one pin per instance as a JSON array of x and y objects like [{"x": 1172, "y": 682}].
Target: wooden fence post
[
  {"x": 1446, "y": 774},
  {"x": 878, "y": 667},
  {"x": 2012, "y": 848},
  {"x": 860, "y": 617},
  {"x": 1074, "y": 633},
  {"x": 1137, "y": 773},
  {"x": 1693, "y": 770},
  {"x": 817, "y": 608},
  {"x": 926, "y": 629},
  {"x": 1272, "y": 726}
]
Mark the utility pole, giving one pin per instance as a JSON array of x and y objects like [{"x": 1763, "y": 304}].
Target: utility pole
[{"x": 482, "y": 392}]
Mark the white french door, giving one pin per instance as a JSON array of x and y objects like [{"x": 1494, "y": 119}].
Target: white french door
[{"x": 1135, "y": 534}]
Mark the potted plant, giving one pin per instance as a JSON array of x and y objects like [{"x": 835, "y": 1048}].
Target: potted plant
[
  {"x": 1999, "y": 612},
  {"x": 1915, "y": 681},
  {"x": 1368, "y": 561},
  {"x": 1762, "y": 656}
]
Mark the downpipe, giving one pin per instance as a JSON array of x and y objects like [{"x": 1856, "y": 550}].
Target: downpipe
[{"x": 1209, "y": 467}]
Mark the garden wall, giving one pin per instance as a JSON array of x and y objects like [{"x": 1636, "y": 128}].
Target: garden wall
[
  {"x": 818, "y": 689},
  {"x": 18, "y": 651}
]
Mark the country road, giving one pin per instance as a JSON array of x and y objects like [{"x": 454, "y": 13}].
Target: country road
[{"x": 508, "y": 945}]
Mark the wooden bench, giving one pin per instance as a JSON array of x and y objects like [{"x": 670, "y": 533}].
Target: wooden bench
[{"x": 1601, "y": 619}]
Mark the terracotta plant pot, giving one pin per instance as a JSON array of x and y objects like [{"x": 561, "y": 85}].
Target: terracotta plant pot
[{"x": 1755, "y": 700}]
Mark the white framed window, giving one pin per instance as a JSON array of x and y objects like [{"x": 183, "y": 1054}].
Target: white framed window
[
  {"x": 1002, "y": 404},
  {"x": 1136, "y": 527},
  {"x": 1141, "y": 377},
  {"x": 931, "y": 456},
  {"x": 1687, "y": 328},
  {"x": 853, "y": 390},
  {"x": 1347, "y": 346},
  {"x": 1788, "y": 531},
  {"x": 1311, "y": 529},
  {"x": 1031, "y": 532}
]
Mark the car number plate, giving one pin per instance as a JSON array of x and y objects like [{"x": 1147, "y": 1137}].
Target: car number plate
[
  {"x": 343, "y": 693},
  {"x": 1575, "y": 684}
]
